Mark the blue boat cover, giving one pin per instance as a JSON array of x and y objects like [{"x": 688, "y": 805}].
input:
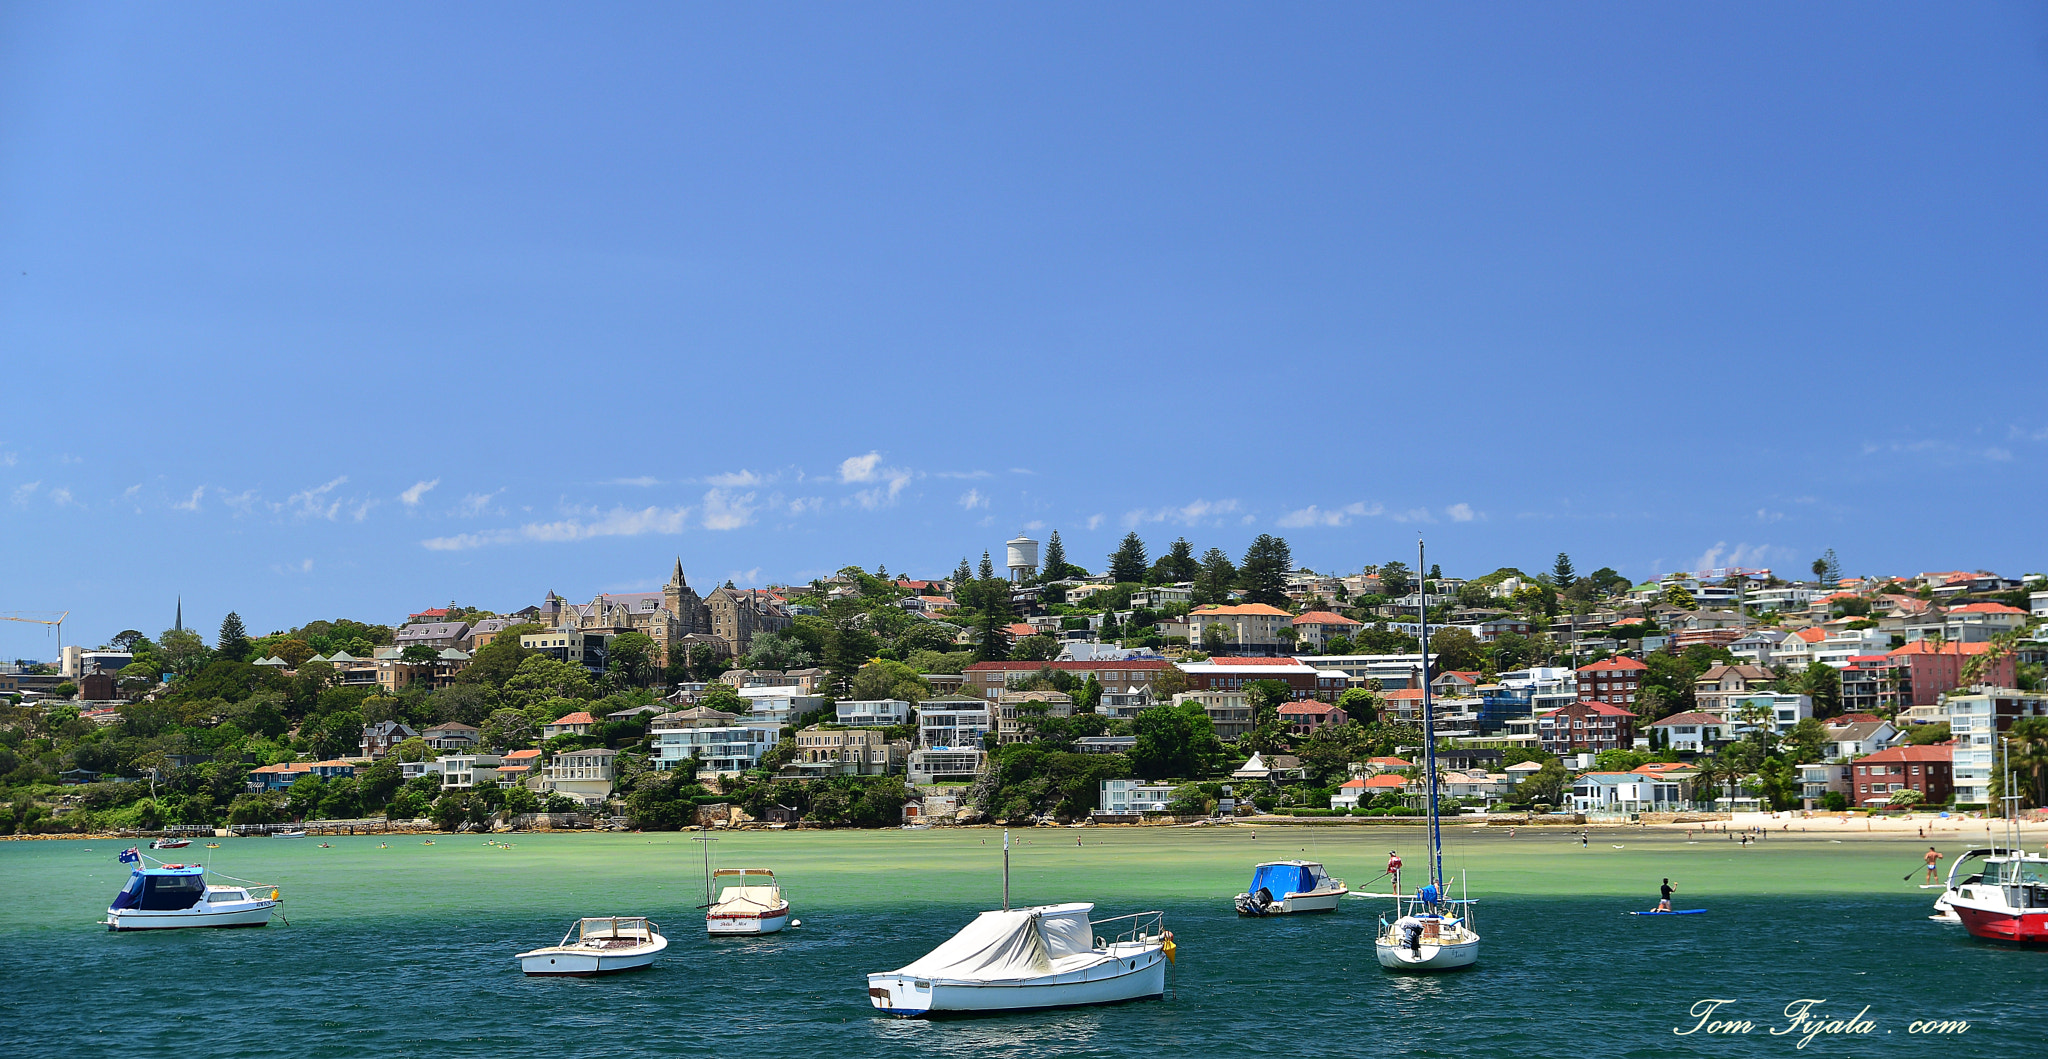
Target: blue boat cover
[{"x": 1282, "y": 879}]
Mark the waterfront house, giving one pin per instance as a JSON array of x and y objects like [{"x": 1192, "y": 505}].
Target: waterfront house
[
  {"x": 1692, "y": 730},
  {"x": 1015, "y": 710},
  {"x": 846, "y": 752},
  {"x": 1927, "y": 769},
  {"x": 945, "y": 764},
  {"x": 957, "y": 724},
  {"x": 585, "y": 775},
  {"x": 1131, "y": 799},
  {"x": 1275, "y": 769},
  {"x": 464, "y": 771},
  {"x": 578, "y": 723},
  {"x": 277, "y": 777},
  {"x": 1857, "y": 738},
  {"x": 1593, "y": 726},
  {"x": 872, "y": 713},
  {"x": 712, "y": 737},
  {"x": 1349, "y": 793},
  {"x": 779, "y": 705},
  {"x": 379, "y": 738}
]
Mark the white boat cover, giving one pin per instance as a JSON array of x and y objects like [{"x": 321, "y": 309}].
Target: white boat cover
[{"x": 1021, "y": 943}]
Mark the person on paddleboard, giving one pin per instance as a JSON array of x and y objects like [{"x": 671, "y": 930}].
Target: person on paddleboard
[
  {"x": 1664, "y": 902},
  {"x": 1932, "y": 858},
  {"x": 1394, "y": 868}
]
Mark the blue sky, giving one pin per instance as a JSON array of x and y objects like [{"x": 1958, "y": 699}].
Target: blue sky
[{"x": 322, "y": 310}]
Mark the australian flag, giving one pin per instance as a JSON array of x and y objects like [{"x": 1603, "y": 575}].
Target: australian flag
[{"x": 130, "y": 856}]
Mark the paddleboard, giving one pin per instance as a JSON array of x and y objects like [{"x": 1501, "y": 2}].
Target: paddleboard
[{"x": 1674, "y": 912}]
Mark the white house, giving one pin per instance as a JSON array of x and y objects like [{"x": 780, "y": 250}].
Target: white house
[
  {"x": 1783, "y": 710},
  {"x": 1850, "y": 741},
  {"x": 873, "y": 713},
  {"x": 946, "y": 764},
  {"x": 779, "y": 706},
  {"x": 585, "y": 775},
  {"x": 463, "y": 771},
  {"x": 960, "y": 725},
  {"x": 1692, "y": 731},
  {"x": 1132, "y": 797},
  {"x": 1348, "y": 793}
]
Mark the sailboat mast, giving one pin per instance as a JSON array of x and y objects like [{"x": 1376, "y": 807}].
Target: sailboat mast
[
  {"x": 1006, "y": 869},
  {"x": 1436, "y": 847}
]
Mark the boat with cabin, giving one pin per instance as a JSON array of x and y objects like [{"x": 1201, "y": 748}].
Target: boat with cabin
[
  {"x": 169, "y": 843},
  {"x": 1290, "y": 887},
  {"x": 172, "y": 896},
  {"x": 1968, "y": 869},
  {"x": 750, "y": 902},
  {"x": 596, "y": 946},
  {"x": 1427, "y": 930},
  {"x": 1020, "y": 959},
  {"x": 2008, "y": 900}
]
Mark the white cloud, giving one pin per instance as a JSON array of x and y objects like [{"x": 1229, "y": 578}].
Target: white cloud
[
  {"x": 1094, "y": 522},
  {"x": 735, "y": 479},
  {"x": 961, "y": 474},
  {"x": 362, "y": 510},
  {"x": 1034, "y": 526},
  {"x": 303, "y": 566},
  {"x": 1719, "y": 556},
  {"x": 7, "y": 459},
  {"x": 314, "y": 503},
  {"x": 411, "y": 497},
  {"x": 743, "y": 577},
  {"x": 129, "y": 493},
  {"x": 476, "y": 503},
  {"x": 243, "y": 503},
  {"x": 1187, "y": 514},
  {"x": 806, "y": 503},
  {"x": 618, "y": 522},
  {"x": 1767, "y": 516},
  {"x": 1460, "y": 513},
  {"x": 972, "y": 499},
  {"x": 859, "y": 468},
  {"x": 1413, "y": 514},
  {"x": 1315, "y": 516},
  {"x": 643, "y": 481},
  {"x": 724, "y": 511},
  {"x": 23, "y": 492},
  {"x": 191, "y": 503},
  {"x": 61, "y": 497}
]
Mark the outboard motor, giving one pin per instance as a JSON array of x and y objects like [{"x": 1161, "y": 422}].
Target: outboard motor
[{"x": 1256, "y": 903}]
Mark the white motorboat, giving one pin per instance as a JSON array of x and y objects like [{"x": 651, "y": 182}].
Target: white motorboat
[
  {"x": 1290, "y": 887},
  {"x": 1965, "y": 872},
  {"x": 169, "y": 843},
  {"x": 288, "y": 834},
  {"x": 598, "y": 946},
  {"x": 1025, "y": 958},
  {"x": 752, "y": 904},
  {"x": 1427, "y": 930},
  {"x": 171, "y": 896}
]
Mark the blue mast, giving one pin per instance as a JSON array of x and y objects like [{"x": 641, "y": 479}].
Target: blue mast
[{"x": 1436, "y": 843}]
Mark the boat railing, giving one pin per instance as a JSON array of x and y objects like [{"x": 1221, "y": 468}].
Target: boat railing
[{"x": 1144, "y": 926}]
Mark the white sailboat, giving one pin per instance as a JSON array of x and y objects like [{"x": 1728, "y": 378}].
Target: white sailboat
[
  {"x": 1428, "y": 930},
  {"x": 1049, "y": 956}
]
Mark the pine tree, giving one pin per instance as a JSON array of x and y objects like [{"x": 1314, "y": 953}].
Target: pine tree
[
  {"x": 988, "y": 569},
  {"x": 995, "y": 616},
  {"x": 1831, "y": 569},
  {"x": 1055, "y": 566},
  {"x": 1263, "y": 574},
  {"x": 1394, "y": 581},
  {"x": 233, "y": 643},
  {"x": 1561, "y": 573},
  {"x": 1127, "y": 563},
  {"x": 1218, "y": 574},
  {"x": 1180, "y": 561},
  {"x": 961, "y": 576}
]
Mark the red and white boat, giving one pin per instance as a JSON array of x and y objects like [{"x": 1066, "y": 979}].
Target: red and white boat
[
  {"x": 750, "y": 903},
  {"x": 2008, "y": 902}
]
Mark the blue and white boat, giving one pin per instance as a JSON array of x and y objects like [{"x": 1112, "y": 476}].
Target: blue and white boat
[
  {"x": 1290, "y": 887},
  {"x": 170, "y": 896}
]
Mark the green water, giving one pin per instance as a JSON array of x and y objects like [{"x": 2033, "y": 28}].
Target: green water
[{"x": 407, "y": 950}]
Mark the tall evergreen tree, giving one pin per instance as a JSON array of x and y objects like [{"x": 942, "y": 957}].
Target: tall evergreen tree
[
  {"x": 962, "y": 575},
  {"x": 1055, "y": 566},
  {"x": 1561, "y": 573},
  {"x": 1180, "y": 561},
  {"x": 1217, "y": 576},
  {"x": 988, "y": 568},
  {"x": 1263, "y": 574},
  {"x": 1127, "y": 563},
  {"x": 233, "y": 643},
  {"x": 1394, "y": 579},
  {"x": 994, "y": 645}
]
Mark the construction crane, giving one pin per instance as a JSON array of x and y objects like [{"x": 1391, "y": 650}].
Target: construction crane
[{"x": 57, "y": 622}]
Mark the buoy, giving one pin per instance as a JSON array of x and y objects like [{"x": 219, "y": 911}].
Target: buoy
[{"x": 796, "y": 922}]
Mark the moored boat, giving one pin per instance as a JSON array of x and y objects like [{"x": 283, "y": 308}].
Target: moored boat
[
  {"x": 1290, "y": 887},
  {"x": 752, "y": 904},
  {"x": 595, "y": 946},
  {"x": 172, "y": 896},
  {"x": 169, "y": 843},
  {"x": 1965, "y": 871},
  {"x": 1026, "y": 958},
  {"x": 288, "y": 834},
  {"x": 2008, "y": 900}
]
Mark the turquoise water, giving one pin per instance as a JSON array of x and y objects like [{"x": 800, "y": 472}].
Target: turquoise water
[{"x": 407, "y": 951}]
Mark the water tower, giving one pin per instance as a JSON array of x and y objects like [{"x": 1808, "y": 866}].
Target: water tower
[{"x": 1023, "y": 557}]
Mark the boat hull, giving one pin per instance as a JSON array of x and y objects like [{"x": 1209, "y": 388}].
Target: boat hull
[
  {"x": 1294, "y": 904},
  {"x": 239, "y": 914},
  {"x": 1430, "y": 957},
  {"x": 746, "y": 923},
  {"x": 1129, "y": 973},
  {"x": 570, "y": 961},
  {"x": 2019, "y": 928}
]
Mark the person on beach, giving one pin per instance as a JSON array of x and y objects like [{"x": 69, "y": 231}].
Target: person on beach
[
  {"x": 1664, "y": 900},
  {"x": 1932, "y": 858}
]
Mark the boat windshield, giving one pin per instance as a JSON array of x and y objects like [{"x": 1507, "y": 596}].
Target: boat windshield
[{"x": 2004, "y": 873}]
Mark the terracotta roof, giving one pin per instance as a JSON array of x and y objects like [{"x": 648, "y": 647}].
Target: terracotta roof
[
  {"x": 1020, "y": 629},
  {"x": 1811, "y": 634},
  {"x": 1934, "y": 752},
  {"x": 1600, "y": 708},
  {"x": 1854, "y": 718},
  {"x": 579, "y": 717},
  {"x": 1016, "y": 667},
  {"x": 1403, "y": 695},
  {"x": 522, "y": 755},
  {"x": 1616, "y": 663},
  {"x": 1665, "y": 768},
  {"x": 1311, "y": 707},
  {"x": 1323, "y": 617},
  {"x": 1693, "y": 717},
  {"x": 285, "y": 766},
  {"x": 1391, "y": 762},
  {"x": 1241, "y": 610},
  {"x": 1351, "y": 784},
  {"x": 1985, "y": 608},
  {"x": 1385, "y": 779},
  {"x": 1923, "y": 647}
]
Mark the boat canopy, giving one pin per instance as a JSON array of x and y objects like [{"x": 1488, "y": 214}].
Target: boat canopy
[
  {"x": 1020, "y": 943},
  {"x": 162, "y": 890},
  {"x": 1287, "y": 877}
]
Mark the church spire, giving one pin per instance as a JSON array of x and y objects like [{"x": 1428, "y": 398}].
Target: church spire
[{"x": 678, "y": 580}]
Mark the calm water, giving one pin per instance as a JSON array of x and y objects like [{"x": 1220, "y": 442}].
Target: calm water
[{"x": 407, "y": 950}]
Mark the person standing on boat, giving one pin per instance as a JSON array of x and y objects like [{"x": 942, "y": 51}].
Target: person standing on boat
[
  {"x": 1932, "y": 858},
  {"x": 1394, "y": 868},
  {"x": 1664, "y": 900}
]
